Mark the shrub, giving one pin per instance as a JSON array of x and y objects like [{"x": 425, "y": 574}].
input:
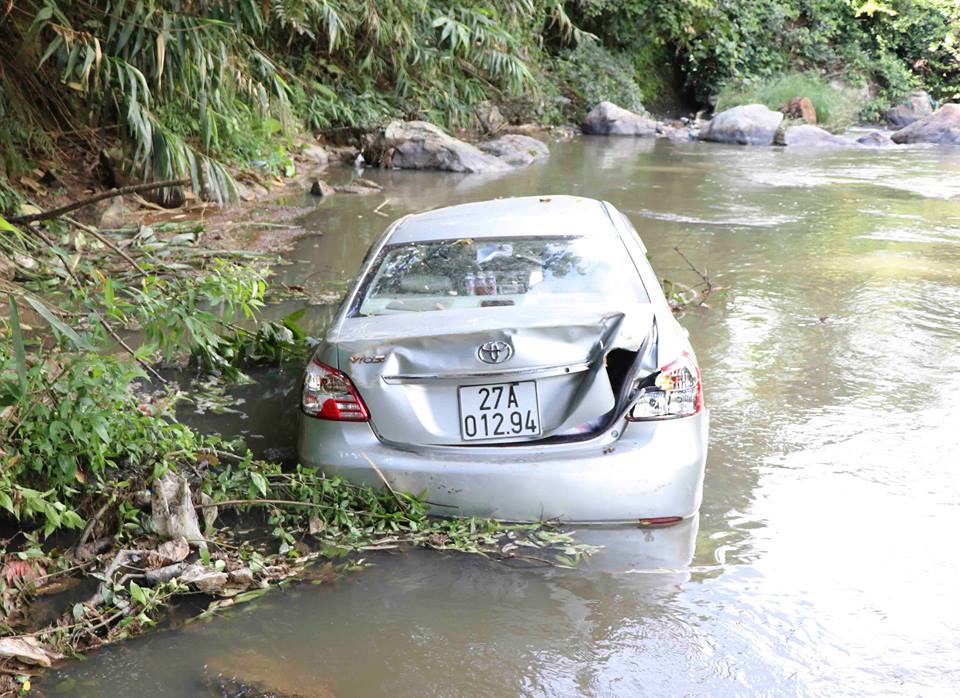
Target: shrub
[
  {"x": 835, "y": 107},
  {"x": 590, "y": 73}
]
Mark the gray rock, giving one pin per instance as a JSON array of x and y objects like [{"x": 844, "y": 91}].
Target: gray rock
[
  {"x": 418, "y": 145},
  {"x": 241, "y": 577},
  {"x": 943, "y": 127},
  {"x": 321, "y": 188},
  {"x": 112, "y": 216},
  {"x": 914, "y": 106},
  {"x": 516, "y": 149},
  {"x": 316, "y": 155},
  {"x": 876, "y": 139},
  {"x": 809, "y": 136},
  {"x": 676, "y": 133},
  {"x": 607, "y": 119},
  {"x": 490, "y": 118},
  {"x": 204, "y": 579},
  {"x": 750, "y": 124}
]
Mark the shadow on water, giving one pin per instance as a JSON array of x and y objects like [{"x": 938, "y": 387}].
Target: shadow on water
[{"x": 823, "y": 559}]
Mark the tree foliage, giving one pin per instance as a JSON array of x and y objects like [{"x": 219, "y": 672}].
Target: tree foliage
[
  {"x": 184, "y": 83},
  {"x": 188, "y": 86}
]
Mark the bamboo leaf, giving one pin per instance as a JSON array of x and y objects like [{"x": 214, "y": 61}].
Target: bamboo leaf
[
  {"x": 59, "y": 327},
  {"x": 19, "y": 352}
]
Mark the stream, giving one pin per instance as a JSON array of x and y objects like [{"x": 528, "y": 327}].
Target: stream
[{"x": 824, "y": 560}]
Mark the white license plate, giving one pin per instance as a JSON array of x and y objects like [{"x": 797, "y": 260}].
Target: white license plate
[{"x": 499, "y": 411}]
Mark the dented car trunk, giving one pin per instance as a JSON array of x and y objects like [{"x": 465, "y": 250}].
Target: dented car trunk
[{"x": 504, "y": 375}]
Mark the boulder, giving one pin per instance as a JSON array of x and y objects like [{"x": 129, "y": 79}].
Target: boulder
[
  {"x": 607, "y": 119},
  {"x": 809, "y": 136},
  {"x": 876, "y": 139},
  {"x": 490, "y": 118},
  {"x": 914, "y": 106},
  {"x": 800, "y": 108},
  {"x": 418, "y": 145},
  {"x": 750, "y": 124},
  {"x": 516, "y": 149},
  {"x": 112, "y": 216},
  {"x": 943, "y": 127},
  {"x": 321, "y": 188},
  {"x": 316, "y": 155}
]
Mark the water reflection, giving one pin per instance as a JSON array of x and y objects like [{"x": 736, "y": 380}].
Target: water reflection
[{"x": 823, "y": 562}]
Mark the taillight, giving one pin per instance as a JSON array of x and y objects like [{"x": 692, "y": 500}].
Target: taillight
[
  {"x": 329, "y": 394},
  {"x": 673, "y": 391}
]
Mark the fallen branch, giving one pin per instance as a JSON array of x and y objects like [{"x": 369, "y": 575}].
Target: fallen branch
[
  {"x": 96, "y": 233},
  {"x": 702, "y": 274},
  {"x": 67, "y": 208},
  {"x": 393, "y": 492}
]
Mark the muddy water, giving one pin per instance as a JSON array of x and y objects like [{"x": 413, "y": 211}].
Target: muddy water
[{"x": 824, "y": 561}]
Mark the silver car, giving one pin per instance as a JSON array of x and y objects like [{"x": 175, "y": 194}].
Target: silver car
[{"x": 513, "y": 359}]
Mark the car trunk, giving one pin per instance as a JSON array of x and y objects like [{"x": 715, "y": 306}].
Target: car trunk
[{"x": 421, "y": 375}]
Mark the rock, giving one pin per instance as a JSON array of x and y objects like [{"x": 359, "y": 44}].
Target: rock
[
  {"x": 355, "y": 188},
  {"x": 205, "y": 579},
  {"x": 677, "y": 133},
  {"x": 344, "y": 153},
  {"x": 607, "y": 119},
  {"x": 27, "y": 650},
  {"x": 490, "y": 118},
  {"x": 517, "y": 150},
  {"x": 321, "y": 188},
  {"x": 808, "y": 136},
  {"x": 750, "y": 124},
  {"x": 914, "y": 106},
  {"x": 173, "y": 515},
  {"x": 943, "y": 127},
  {"x": 241, "y": 577},
  {"x": 112, "y": 216},
  {"x": 418, "y": 145},
  {"x": 316, "y": 155},
  {"x": 800, "y": 108},
  {"x": 876, "y": 139}
]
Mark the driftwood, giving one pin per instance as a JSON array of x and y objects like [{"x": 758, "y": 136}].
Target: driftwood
[{"x": 67, "y": 208}]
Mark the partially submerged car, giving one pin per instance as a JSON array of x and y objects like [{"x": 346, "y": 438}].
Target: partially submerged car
[{"x": 513, "y": 359}]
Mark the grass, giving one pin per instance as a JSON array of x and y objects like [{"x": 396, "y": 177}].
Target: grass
[{"x": 835, "y": 108}]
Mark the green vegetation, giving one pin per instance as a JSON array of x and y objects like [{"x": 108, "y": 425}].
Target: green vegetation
[
  {"x": 89, "y": 436},
  {"x": 835, "y": 106},
  {"x": 190, "y": 87}
]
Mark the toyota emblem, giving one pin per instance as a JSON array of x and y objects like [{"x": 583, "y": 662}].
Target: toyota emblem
[{"x": 495, "y": 352}]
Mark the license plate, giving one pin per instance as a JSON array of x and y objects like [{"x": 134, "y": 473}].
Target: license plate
[{"x": 499, "y": 411}]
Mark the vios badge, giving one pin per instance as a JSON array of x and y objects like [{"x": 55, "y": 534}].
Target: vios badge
[{"x": 495, "y": 352}]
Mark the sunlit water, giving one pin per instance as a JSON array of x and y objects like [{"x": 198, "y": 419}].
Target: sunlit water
[{"x": 825, "y": 558}]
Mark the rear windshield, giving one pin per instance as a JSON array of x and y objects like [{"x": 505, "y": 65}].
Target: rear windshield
[{"x": 489, "y": 272}]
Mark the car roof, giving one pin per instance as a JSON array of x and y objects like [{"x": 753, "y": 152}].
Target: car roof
[{"x": 520, "y": 216}]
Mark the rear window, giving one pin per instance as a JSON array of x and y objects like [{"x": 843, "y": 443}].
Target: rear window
[{"x": 489, "y": 272}]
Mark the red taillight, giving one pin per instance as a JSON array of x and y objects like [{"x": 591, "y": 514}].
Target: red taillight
[
  {"x": 329, "y": 394},
  {"x": 660, "y": 521}
]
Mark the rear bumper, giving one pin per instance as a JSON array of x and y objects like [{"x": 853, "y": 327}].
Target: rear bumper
[{"x": 654, "y": 469}]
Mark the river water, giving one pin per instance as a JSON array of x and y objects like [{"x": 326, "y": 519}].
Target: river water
[{"x": 824, "y": 561}]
